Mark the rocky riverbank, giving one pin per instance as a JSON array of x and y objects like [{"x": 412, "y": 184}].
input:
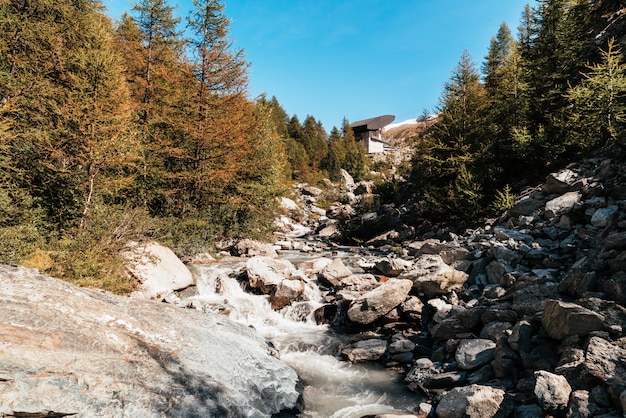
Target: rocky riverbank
[{"x": 523, "y": 317}]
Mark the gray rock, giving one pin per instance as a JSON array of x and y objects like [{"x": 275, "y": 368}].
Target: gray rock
[
  {"x": 251, "y": 248},
  {"x": 380, "y": 301},
  {"x": 528, "y": 411},
  {"x": 393, "y": 266},
  {"x": 67, "y": 350},
  {"x": 616, "y": 241},
  {"x": 601, "y": 217},
  {"x": 562, "y": 204},
  {"x": 565, "y": 180},
  {"x": 432, "y": 277},
  {"x": 285, "y": 292},
  {"x": 334, "y": 272},
  {"x": 552, "y": 391},
  {"x": 493, "y": 330},
  {"x": 562, "y": 319},
  {"x": 606, "y": 362},
  {"x": 265, "y": 273},
  {"x": 158, "y": 269},
  {"x": 401, "y": 346},
  {"x": 473, "y": 353},
  {"x": 474, "y": 401},
  {"x": 366, "y": 350}
]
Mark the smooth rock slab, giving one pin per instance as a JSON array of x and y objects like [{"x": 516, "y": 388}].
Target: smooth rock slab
[
  {"x": 379, "y": 301},
  {"x": 68, "y": 350},
  {"x": 474, "y": 401}
]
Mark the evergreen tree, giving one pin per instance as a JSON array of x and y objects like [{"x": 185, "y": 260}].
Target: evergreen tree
[
  {"x": 452, "y": 168},
  {"x": 599, "y": 101}
]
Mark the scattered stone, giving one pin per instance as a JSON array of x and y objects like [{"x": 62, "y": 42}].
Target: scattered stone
[
  {"x": 432, "y": 277},
  {"x": 552, "y": 391},
  {"x": 366, "y": 350},
  {"x": 563, "y": 319},
  {"x": 252, "y": 248},
  {"x": 474, "y": 401},
  {"x": 471, "y": 354},
  {"x": 334, "y": 272},
  {"x": 380, "y": 301}
]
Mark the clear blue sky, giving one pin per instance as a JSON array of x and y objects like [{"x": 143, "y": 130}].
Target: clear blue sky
[{"x": 357, "y": 58}]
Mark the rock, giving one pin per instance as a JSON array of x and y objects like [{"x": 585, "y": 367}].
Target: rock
[
  {"x": 73, "y": 351},
  {"x": 265, "y": 273},
  {"x": 366, "y": 350},
  {"x": 251, "y": 248},
  {"x": 202, "y": 258},
  {"x": 580, "y": 405},
  {"x": 616, "y": 241},
  {"x": 311, "y": 191},
  {"x": 528, "y": 300},
  {"x": 432, "y": 277},
  {"x": 285, "y": 292},
  {"x": 401, "y": 346},
  {"x": 334, "y": 272},
  {"x": 379, "y": 302},
  {"x": 346, "y": 179},
  {"x": 393, "y": 266},
  {"x": 474, "y": 401},
  {"x": 289, "y": 205},
  {"x": 529, "y": 411},
  {"x": 605, "y": 361},
  {"x": 471, "y": 354},
  {"x": 552, "y": 391},
  {"x": 158, "y": 270},
  {"x": 563, "y": 319},
  {"x": 313, "y": 267},
  {"x": 562, "y": 204},
  {"x": 579, "y": 279},
  {"x": 564, "y": 181},
  {"x": 601, "y": 217}
]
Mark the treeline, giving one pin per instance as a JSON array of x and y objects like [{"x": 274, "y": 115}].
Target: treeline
[
  {"x": 136, "y": 130},
  {"x": 552, "y": 94}
]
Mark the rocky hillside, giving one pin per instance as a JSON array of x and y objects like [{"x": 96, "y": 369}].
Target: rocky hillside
[{"x": 524, "y": 316}]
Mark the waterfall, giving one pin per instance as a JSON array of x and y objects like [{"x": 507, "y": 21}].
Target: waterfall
[{"x": 333, "y": 388}]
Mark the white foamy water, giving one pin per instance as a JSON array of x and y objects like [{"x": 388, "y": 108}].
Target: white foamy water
[{"x": 334, "y": 388}]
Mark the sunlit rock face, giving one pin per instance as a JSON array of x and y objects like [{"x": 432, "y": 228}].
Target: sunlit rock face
[{"x": 67, "y": 350}]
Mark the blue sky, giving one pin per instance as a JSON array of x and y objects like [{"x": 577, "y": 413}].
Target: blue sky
[{"x": 357, "y": 58}]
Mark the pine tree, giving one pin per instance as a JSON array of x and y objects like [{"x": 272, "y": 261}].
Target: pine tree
[{"x": 599, "y": 101}]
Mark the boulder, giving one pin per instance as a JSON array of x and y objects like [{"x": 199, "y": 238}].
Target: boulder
[
  {"x": 563, "y": 319},
  {"x": 252, "y": 248},
  {"x": 366, "y": 350},
  {"x": 393, "y": 266},
  {"x": 605, "y": 361},
  {"x": 265, "y": 273},
  {"x": 473, "y": 353},
  {"x": 562, "y": 204},
  {"x": 286, "y": 292},
  {"x": 379, "y": 301},
  {"x": 432, "y": 277},
  {"x": 602, "y": 216},
  {"x": 474, "y": 401},
  {"x": 158, "y": 269},
  {"x": 73, "y": 351},
  {"x": 552, "y": 391},
  {"x": 564, "y": 181},
  {"x": 346, "y": 179},
  {"x": 333, "y": 272}
]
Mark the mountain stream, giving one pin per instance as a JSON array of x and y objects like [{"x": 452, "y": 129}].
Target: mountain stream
[{"x": 333, "y": 388}]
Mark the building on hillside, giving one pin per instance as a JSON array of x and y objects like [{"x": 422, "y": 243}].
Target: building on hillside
[{"x": 370, "y": 131}]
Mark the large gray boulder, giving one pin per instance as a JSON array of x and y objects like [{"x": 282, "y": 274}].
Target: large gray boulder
[
  {"x": 158, "y": 269},
  {"x": 379, "y": 301},
  {"x": 86, "y": 353},
  {"x": 552, "y": 391},
  {"x": 433, "y": 277}
]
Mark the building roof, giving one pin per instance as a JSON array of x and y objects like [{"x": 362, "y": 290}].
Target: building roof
[{"x": 372, "y": 124}]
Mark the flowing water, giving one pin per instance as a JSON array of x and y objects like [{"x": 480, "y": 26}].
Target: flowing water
[{"x": 333, "y": 388}]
